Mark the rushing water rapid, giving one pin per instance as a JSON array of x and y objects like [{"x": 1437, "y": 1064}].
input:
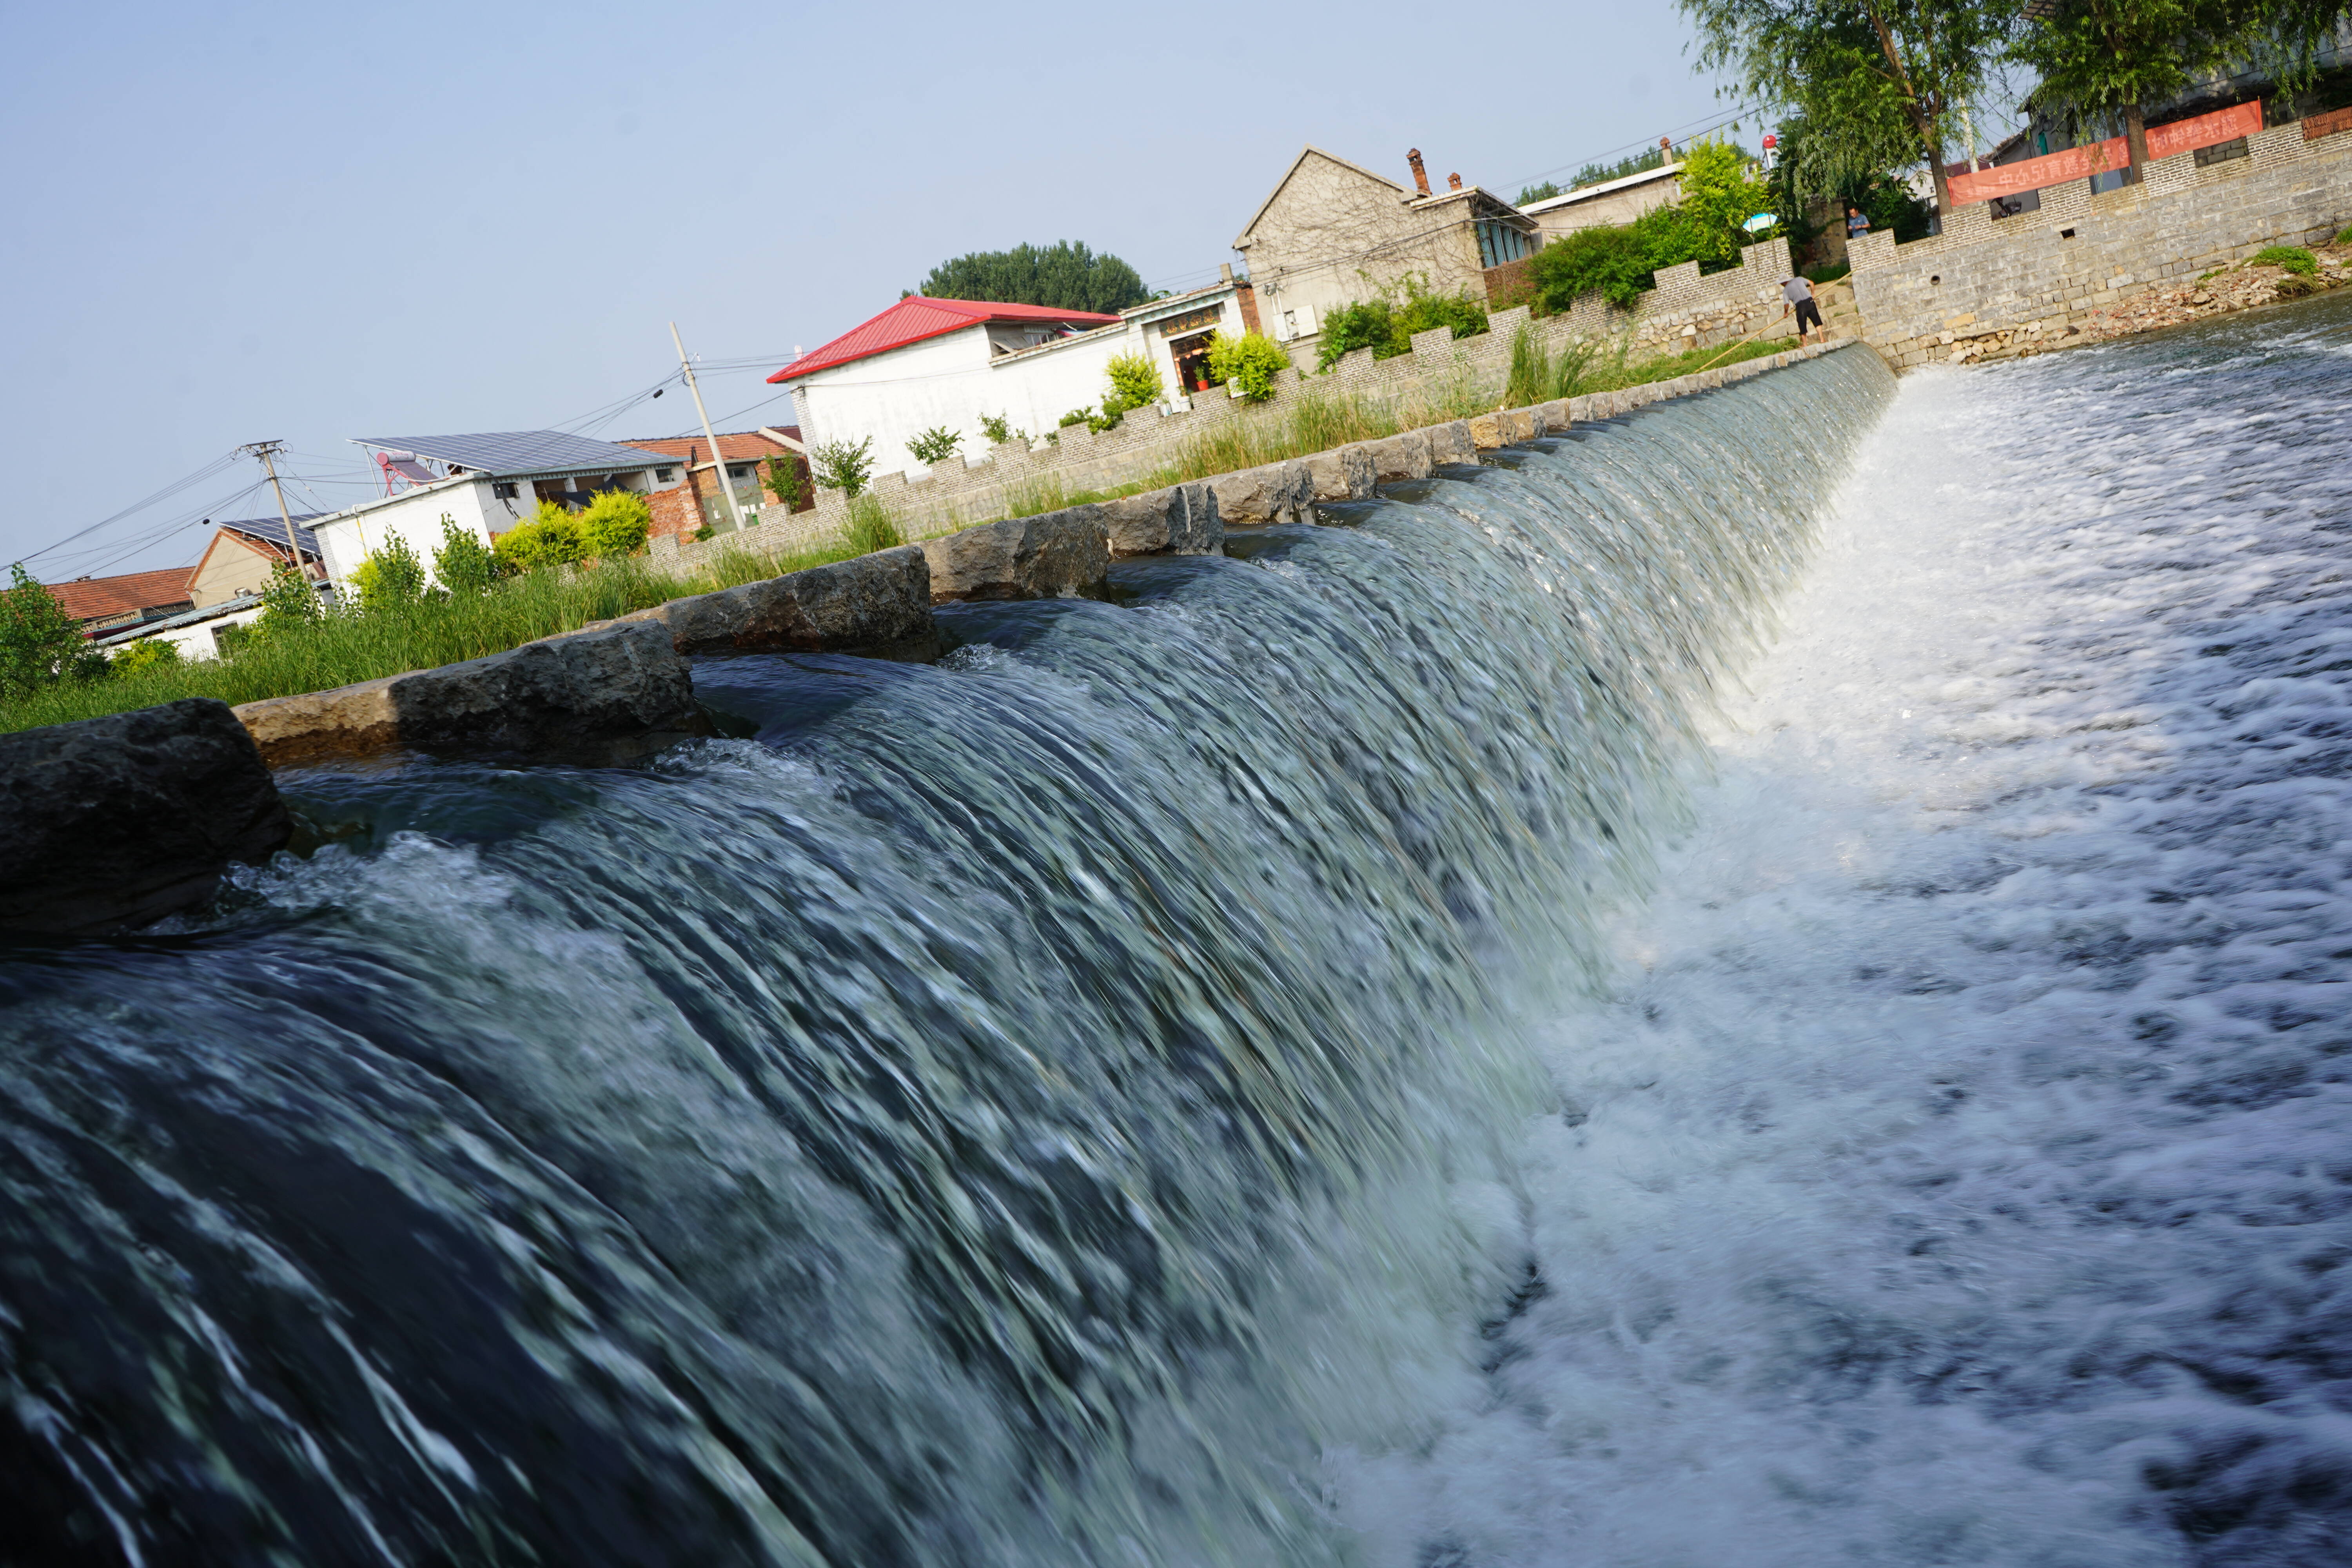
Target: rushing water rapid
[
  {"x": 1956, "y": 1166},
  {"x": 1752, "y": 986},
  {"x": 1028, "y": 1111}
]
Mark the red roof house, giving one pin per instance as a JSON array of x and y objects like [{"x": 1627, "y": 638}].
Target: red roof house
[
  {"x": 111, "y": 603},
  {"x": 918, "y": 317}
]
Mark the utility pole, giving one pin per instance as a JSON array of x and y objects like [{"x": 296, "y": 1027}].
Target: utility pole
[
  {"x": 267, "y": 451},
  {"x": 718, "y": 459}
]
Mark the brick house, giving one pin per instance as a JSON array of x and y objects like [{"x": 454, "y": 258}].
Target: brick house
[
  {"x": 697, "y": 501},
  {"x": 1333, "y": 233}
]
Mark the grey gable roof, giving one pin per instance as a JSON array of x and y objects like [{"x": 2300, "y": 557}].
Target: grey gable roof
[
  {"x": 536, "y": 453},
  {"x": 274, "y": 531}
]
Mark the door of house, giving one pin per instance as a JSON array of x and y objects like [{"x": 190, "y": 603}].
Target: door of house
[{"x": 1191, "y": 357}]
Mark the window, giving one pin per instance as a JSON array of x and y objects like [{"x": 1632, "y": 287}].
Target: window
[
  {"x": 738, "y": 470},
  {"x": 1498, "y": 242},
  {"x": 664, "y": 476},
  {"x": 502, "y": 489}
]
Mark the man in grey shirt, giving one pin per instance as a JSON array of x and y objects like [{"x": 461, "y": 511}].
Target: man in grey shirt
[{"x": 1800, "y": 297}]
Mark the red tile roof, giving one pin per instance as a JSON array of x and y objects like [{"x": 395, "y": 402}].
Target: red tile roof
[
  {"x": 734, "y": 446},
  {"x": 918, "y": 317},
  {"x": 98, "y": 598}
]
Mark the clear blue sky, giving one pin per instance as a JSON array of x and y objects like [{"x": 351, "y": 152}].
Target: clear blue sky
[{"x": 231, "y": 222}]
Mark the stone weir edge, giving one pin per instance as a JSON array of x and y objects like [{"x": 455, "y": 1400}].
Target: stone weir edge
[{"x": 620, "y": 688}]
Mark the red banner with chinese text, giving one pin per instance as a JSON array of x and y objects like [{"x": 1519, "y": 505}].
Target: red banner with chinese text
[{"x": 2081, "y": 163}]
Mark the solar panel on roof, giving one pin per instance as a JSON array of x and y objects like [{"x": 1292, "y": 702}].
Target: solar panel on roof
[{"x": 516, "y": 451}]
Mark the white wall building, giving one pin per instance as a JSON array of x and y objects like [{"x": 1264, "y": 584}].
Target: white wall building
[
  {"x": 485, "y": 484},
  {"x": 927, "y": 363}
]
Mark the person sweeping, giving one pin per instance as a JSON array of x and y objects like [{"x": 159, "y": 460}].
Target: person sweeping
[{"x": 1799, "y": 297}]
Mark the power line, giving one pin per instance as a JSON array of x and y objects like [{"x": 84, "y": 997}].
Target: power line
[{"x": 217, "y": 464}]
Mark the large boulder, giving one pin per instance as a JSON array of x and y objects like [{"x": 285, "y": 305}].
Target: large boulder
[
  {"x": 1451, "y": 443},
  {"x": 878, "y": 605},
  {"x": 576, "y": 696},
  {"x": 1401, "y": 456},
  {"x": 1343, "y": 473},
  {"x": 1487, "y": 432},
  {"x": 1178, "y": 520},
  {"x": 105, "y": 824},
  {"x": 1269, "y": 493},
  {"x": 1054, "y": 555}
]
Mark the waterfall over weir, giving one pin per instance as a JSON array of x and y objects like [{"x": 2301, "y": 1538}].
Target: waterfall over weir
[{"x": 1014, "y": 1111}]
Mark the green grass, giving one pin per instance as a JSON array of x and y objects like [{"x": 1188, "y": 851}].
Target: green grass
[
  {"x": 2345, "y": 238},
  {"x": 2293, "y": 258},
  {"x": 345, "y": 649},
  {"x": 1829, "y": 272}
]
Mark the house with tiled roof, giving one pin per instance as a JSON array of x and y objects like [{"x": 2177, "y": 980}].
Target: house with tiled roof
[
  {"x": 108, "y": 605},
  {"x": 699, "y": 501},
  {"x": 927, "y": 363}
]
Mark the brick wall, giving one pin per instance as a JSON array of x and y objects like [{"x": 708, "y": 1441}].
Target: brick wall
[{"x": 1986, "y": 285}]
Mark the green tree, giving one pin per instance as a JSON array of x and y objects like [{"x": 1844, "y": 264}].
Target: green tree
[
  {"x": 936, "y": 445},
  {"x": 289, "y": 601},
  {"x": 615, "y": 523},
  {"x": 147, "y": 653},
  {"x": 838, "y": 465},
  {"x": 1067, "y": 276},
  {"x": 39, "y": 643},
  {"x": 463, "y": 565},
  {"x": 389, "y": 577},
  {"x": 2102, "y": 60},
  {"x": 1249, "y": 362},
  {"x": 1134, "y": 381},
  {"x": 1880, "y": 81},
  {"x": 550, "y": 536},
  {"x": 783, "y": 479}
]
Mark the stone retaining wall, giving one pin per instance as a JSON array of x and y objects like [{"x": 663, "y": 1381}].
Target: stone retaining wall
[{"x": 1986, "y": 284}]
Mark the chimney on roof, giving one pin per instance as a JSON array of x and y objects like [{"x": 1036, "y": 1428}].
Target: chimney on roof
[
  {"x": 1667, "y": 145},
  {"x": 1224, "y": 271},
  {"x": 1453, "y": 182},
  {"x": 1420, "y": 174}
]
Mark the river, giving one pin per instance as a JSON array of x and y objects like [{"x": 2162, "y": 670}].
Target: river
[{"x": 1753, "y": 984}]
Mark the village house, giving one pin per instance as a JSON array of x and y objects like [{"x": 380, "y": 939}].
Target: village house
[
  {"x": 927, "y": 363},
  {"x": 241, "y": 557},
  {"x": 699, "y": 502},
  {"x": 1609, "y": 202},
  {"x": 1333, "y": 233},
  {"x": 484, "y": 484},
  {"x": 105, "y": 606}
]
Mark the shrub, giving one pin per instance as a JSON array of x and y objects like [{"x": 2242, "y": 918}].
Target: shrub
[
  {"x": 870, "y": 527},
  {"x": 838, "y": 465},
  {"x": 549, "y": 537},
  {"x": 1386, "y": 324},
  {"x": 463, "y": 565},
  {"x": 936, "y": 445},
  {"x": 783, "y": 480},
  {"x": 997, "y": 428},
  {"x": 2293, "y": 258},
  {"x": 1249, "y": 362},
  {"x": 288, "y": 603},
  {"x": 389, "y": 577},
  {"x": 147, "y": 653},
  {"x": 39, "y": 643},
  {"x": 615, "y": 524},
  {"x": 1134, "y": 381}
]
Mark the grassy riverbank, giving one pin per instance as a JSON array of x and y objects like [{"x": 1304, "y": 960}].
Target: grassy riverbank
[
  {"x": 1319, "y": 420},
  {"x": 345, "y": 649}
]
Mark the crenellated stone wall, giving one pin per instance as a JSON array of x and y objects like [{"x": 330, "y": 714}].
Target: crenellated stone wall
[{"x": 1987, "y": 285}]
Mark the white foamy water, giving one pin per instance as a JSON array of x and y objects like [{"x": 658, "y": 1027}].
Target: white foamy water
[{"x": 1958, "y": 1169}]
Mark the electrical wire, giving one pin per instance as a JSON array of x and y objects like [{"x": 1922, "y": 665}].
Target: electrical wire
[{"x": 217, "y": 464}]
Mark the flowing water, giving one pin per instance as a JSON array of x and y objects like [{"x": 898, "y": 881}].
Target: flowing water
[
  {"x": 1410, "y": 1045},
  {"x": 1957, "y": 1165}
]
